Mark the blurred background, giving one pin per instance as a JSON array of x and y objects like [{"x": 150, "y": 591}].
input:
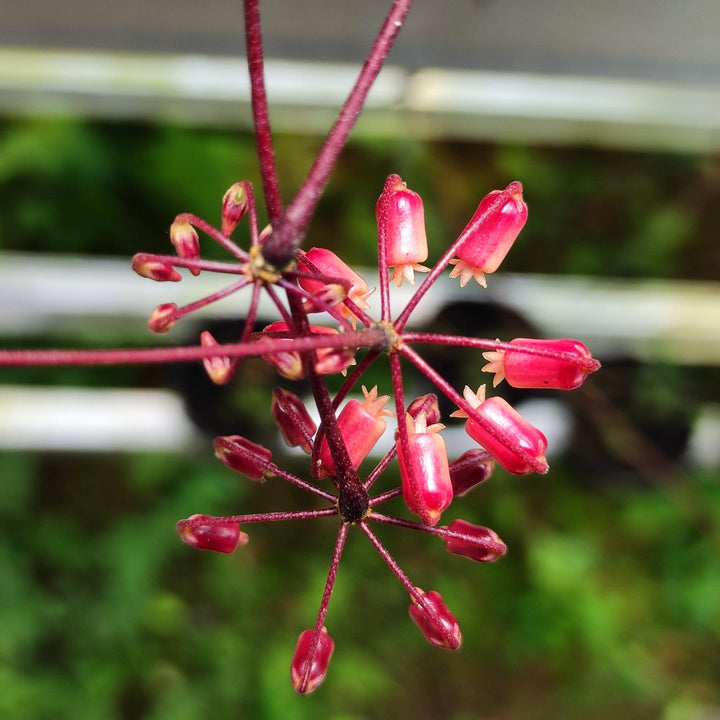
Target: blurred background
[{"x": 116, "y": 117}]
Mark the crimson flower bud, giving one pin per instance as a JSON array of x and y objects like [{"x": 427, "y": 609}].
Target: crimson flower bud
[
  {"x": 489, "y": 235},
  {"x": 185, "y": 239},
  {"x": 220, "y": 368},
  {"x": 155, "y": 269},
  {"x": 163, "y": 317},
  {"x": 428, "y": 404},
  {"x": 516, "y": 444},
  {"x": 401, "y": 226},
  {"x": 206, "y": 532},
  {"x": 474, "y": 541},
  {"x": 470, "y": 469},
  {"x": 293, "y": 419},
  {"x": 424, "y": 470},
  {"x": 361, "y": 425},
  {"x": 437, "y": 624},
  {"x": 329, "y": 264},
  {"x": 531, "y": 363},
  {"x": 234, "y": 207},
  {"x": 244, "y": 456},
  {"x": 311, "y": 659}
]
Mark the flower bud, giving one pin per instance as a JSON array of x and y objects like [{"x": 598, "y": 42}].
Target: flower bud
[
  {"x": 234, "y": 207},
  {"x": 489, "y": 235},
  {"x": 289, "y": 363},
  {"x": 329, "y": 264},
  {"x": 361, "y": 426},
  {"x": 311, "y": 659},
  {"x": 474, "y": 541},
  {"x": 185, "y": 239},
  {"x": 293, "y": 419},
  {"x": 437, "y": 624},
  {"x": 206, "y": 532},
  {"x": 424, "y": 470},
  {"x": 470, "y": 469},
  {"x": 153, "y": 268},
  {"x": 516, "y": 444},
  {"x": 428, "y": 404},
  {"x": 531, "y": 363},
  {"x": 163, "y": 317},
  {"x": 219, "y": 368},
  {"x": 401, "y": 226},
  {"x": 244, "y": 456}
]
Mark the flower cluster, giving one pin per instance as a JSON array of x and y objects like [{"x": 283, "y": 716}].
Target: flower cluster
[{"x": 349, "y": 340}]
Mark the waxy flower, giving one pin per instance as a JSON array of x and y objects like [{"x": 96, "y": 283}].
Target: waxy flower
[
  {"x": 424, "y": 471},
  {"x": 531, "y": 363},
  {"x": 311, "y": 659},
  {"x": 154, "y": 268},
  {"x": 361, "y": 425},
  {"x": 516, "y": 444},
  {"x": 329, "y": 264},
  {"x": 206, "y": 532},
  {"x": 489, "y": 235},
  {"x": 474, "y": 542},
  {"x": 437, "y": 624},
  {"x": 401, "y": 228},
  {"x": 293, "y": 419}
]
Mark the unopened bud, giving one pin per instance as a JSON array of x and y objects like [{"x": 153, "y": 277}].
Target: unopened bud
[
  {"x": 163, "y": 317},
  {"x": 293, "y": 419},
  {"x": 206, "y": 532},
  {"x": 311, "y": 659},
  {"x": 470, "y": 469},
  {"x": 474, "y": 542},
  {"x": 219, "y": 368},
  {"x": 428, "y": 404},
  {"x": 243, "y": 456},
  {"x": 155, "y": 269},
  {"x": 234, "y": 207},
  {"x": 186, "y": 241},
  {"x": 436, "y": 623}
]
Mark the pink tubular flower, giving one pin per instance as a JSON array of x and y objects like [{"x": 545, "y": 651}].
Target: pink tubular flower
[
  {"x": 401, "y": 226},
  {"x": 220, "y": 368},
  {"x": 474, "y": 542},
  {"x": 470, "y": 469},
  {"x": 203, "y": 533},
  {"x": 243, "y": 456},
  {"x": 293, "y": 419},
  {"x": 505, "y": 434},
  {"x": 361, "y": 425},
  {"x": 439, "y": 626},
  {"x": 531, "y": 363},
  {"x": 329, "y": 264},
  {"x": 186, "y": 241},
  {"x": 426, "y": 485},
  {"x": 311, "y": 659},
  {"x": 234, "y": 207},
  {"x": 489, "y": 235}
]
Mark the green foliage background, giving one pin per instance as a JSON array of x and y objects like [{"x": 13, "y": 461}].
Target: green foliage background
[{"x": 605, "y": 606}]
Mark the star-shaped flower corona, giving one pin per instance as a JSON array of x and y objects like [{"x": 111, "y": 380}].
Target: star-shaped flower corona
[{"x": 341, "y": 473}]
